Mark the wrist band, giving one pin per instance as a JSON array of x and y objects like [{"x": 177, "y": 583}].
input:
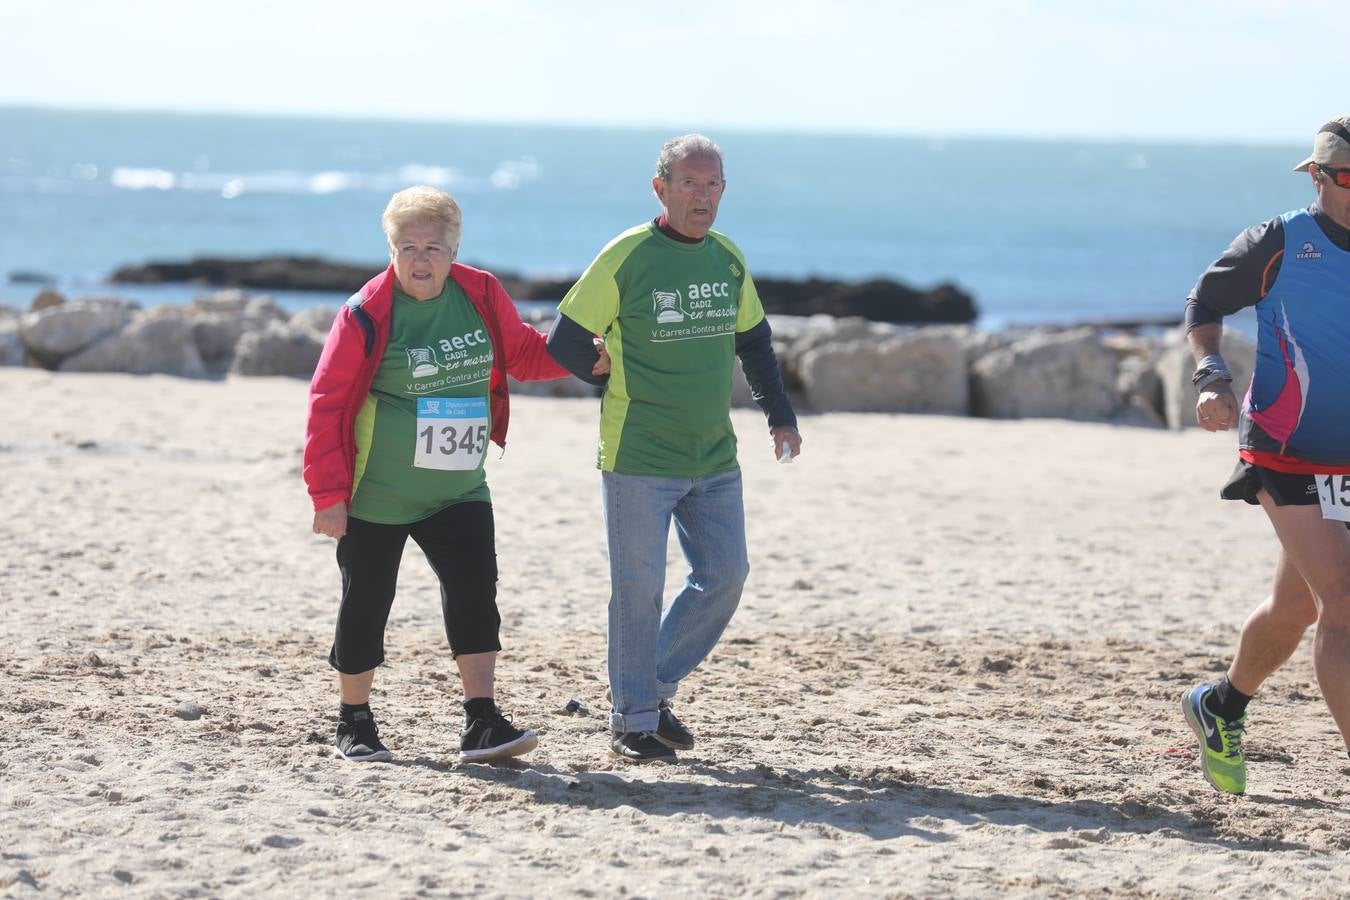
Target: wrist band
[
  {"x": 1205, "y": 377},
  {"x": 1211, "y": 368}
]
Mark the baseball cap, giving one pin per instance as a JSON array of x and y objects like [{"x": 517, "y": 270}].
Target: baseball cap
[{"x": 1331, "y": 146}]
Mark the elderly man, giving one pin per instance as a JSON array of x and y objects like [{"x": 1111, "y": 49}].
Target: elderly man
[
  {"x": 1294, "y": 444},
  {"x": 674, "y": 303}
]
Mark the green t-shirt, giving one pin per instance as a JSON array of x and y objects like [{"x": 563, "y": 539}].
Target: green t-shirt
[
  {"x": 669, "y": 312},
  {"x": 422, "y": 433}
]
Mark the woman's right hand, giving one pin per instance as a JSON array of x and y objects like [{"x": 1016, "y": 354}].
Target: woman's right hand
[{"x": 332, "y": 521}]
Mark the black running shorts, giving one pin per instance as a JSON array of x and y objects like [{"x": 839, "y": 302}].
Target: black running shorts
[{"x": 1285, "y": 488}]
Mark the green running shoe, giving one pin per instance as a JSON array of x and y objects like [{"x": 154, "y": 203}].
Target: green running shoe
[{"x": 1220, "y": 741}]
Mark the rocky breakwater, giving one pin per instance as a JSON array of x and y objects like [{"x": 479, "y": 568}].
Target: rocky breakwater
[
  {"x": 228, "y": 331},
  {"x": 829, "y": 364},
  {"x": 877, "y": 299}
]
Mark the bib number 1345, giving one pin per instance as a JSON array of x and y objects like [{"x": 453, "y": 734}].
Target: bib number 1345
[
  {"x": 1333, "y": 491},
  {"x": 452, "y": 433}
]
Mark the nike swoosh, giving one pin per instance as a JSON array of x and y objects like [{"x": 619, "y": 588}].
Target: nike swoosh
[{"x": 1209, "y": 732}]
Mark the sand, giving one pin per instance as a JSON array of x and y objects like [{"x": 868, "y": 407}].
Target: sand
[{"x": 955, "y": 671}]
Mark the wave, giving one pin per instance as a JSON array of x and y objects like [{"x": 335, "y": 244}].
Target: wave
[{"x": 508, "y": 175}]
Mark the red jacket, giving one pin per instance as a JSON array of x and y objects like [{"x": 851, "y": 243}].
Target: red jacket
[{"x": 352, "y": 354}]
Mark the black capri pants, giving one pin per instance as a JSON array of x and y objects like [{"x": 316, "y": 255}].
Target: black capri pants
[{"x": 459, "y": 542}]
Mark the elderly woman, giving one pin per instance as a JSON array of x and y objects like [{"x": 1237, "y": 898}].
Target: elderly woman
[{"x": 409, "y": 389}]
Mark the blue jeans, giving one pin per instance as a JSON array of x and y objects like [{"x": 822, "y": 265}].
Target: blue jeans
[{"x": 650, "y": 650}]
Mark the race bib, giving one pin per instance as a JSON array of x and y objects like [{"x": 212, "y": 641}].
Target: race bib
[
  {"x": 1333, "y": 491},
  {"x": 452, "y": 433}
]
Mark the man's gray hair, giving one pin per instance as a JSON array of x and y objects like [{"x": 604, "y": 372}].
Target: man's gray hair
[{"x": 677, "y": 148}]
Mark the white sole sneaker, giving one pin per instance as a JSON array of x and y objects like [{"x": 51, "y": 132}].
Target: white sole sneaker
[
  {"x": 377, "y": 756},
  {"x": 523, "y": 744}
]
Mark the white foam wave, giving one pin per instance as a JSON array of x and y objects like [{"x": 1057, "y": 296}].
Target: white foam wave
[
  {"x": 142, "y": 179},
  {"x": 512, "y": 173},
  {"x": 508, "y": 175},
  {"x": 436, "y": 176}
]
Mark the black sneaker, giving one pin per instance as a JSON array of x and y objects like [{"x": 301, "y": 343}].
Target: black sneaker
[
  {"x": 671, "y": 731},
  {"x": 492, "y": 738},
  {"x": 641, "y": 746},
  {"x": 359, "y": 740}
]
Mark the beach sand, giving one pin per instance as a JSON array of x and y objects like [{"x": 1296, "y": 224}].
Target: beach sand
[{"x": 956, "y": 670}]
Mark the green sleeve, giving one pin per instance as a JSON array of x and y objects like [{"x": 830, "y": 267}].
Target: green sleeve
[
  {"x": 593, "y": 302},
  {"x": 751, "y": 311}
]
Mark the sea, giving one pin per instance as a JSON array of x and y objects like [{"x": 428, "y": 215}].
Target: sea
[{"x": 1037, "y": 230}]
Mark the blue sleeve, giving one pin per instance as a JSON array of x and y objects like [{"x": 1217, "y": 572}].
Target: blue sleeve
[
  {"x": 571, "y": 347},
  {"x": 760, "y": 364}
]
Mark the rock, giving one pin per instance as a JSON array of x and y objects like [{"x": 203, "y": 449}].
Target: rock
[
  {"x": 46, "y": 299},
  {"x": 1176, "y": 364},
  {"x": 519, "y": 288},
  {"x": 803, "y": 334},
  {"x": 290, "y": 273},
  {"x": 1066, "y": 375},
  {"x": 53, "y": 334},
  {"x": 1140, "y": 391},
  {"x": 12, "y": 351},
  {"x": 157, "y": 342},
  {"x": 315, "y": 319},
  {"x": 276, "y": 349},
  {"x": 539, "y": 319},
  {"x": 221, "y": 319},
  {"x": 919, "y": 371},
  {"x": 29, "y": 276},
  {"x": 560, "y": 387},
  {"x": 262, "y": 308},
  {"x": 189, "y": 711},
  {"x": 228, "y": 302},
  {"x": 878, "y": 299}
]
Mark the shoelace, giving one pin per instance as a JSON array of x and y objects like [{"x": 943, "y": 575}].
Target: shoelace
[
  {"x": 367, "y": 732},
  {"x": 1232, "y": 735}
]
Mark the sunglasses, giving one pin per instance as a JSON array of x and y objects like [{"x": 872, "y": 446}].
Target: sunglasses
[{"x": 1339, "y": 177}]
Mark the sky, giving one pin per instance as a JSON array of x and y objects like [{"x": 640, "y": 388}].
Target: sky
[{"x": 1252, "y": 71}]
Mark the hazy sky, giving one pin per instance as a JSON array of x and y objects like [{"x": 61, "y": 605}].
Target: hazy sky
[{"x": 1211, "y": 70}]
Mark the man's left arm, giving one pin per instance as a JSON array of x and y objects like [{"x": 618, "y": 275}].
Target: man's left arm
[{"x": 760, "y": 364}]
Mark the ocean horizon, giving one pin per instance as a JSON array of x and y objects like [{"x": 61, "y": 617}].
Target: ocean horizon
[{"x": 1036, "y": 230}]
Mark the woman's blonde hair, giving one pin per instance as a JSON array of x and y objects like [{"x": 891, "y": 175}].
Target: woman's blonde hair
[{"x": 423, "y": 204}]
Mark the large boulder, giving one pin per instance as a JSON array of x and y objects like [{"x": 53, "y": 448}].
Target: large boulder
[
  {"x": 1177, "y": 364},
  {"x": 918, "y": 371},
  {"x": 315, "y": 319},
  {"x": 227, "y": 302},
  {"x": 58, "y": 332},
  {"x": 11, "y": 344},
  {"x": 557, "y": 387},
  {"x": 795, "y": 336},
  {"x": 277, "y": 349},
  {"x": 156, "y": 342},
  {"x": 1065, "y": 375},
  {"x": 1138, "y": 387},
  {"x": 220, "y": 320},
  {"x": 46, "y": 299}
]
